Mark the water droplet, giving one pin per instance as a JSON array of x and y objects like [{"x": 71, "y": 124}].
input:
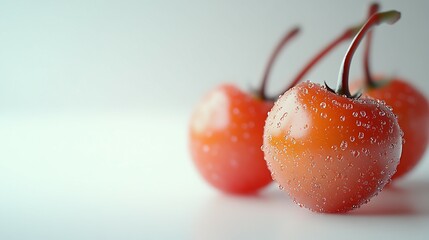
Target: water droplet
[
  {"x": 323, "y": 115},
  {"x": 323, "y": 105},
  {"x": 305, "y": 90},
  {"x": 389, "y": 107},
  {"x": 296, "y": 108},
  {"x": 283, "y": 116},
  {"x": 348, "y": 106},
  {"x": 343, "y": 145},
  {"x": 355, "y": 153}
]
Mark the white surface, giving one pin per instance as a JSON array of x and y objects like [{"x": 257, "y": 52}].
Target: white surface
[{"x": 128, "y": 175}]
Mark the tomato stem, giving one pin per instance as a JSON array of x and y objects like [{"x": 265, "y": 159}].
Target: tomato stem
[
  {"x": 349, "y": 33},
  {"x": 290, "y": 35},
  {"x": 373, "y": 9},
  {"x": 389, "y": 17}
]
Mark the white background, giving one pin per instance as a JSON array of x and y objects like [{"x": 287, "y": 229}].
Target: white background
[
  {"x": 95, "y": 98},
  {"x": 163, "y": 55}
]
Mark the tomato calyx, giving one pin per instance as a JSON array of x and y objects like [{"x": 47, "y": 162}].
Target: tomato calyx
[{"x": 389, "y": 17}]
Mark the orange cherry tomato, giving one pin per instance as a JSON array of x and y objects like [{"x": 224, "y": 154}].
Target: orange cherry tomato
[{"x": 329, "y": 152}]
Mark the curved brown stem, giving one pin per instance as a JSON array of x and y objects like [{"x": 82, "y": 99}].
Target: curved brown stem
[
  {"x": 373, "y": 9},
  {"x": 343, "y": 77}
]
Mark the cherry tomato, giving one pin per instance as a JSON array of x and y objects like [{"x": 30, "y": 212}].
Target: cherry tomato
[
  {"x": 329, "y": 152},
  {"x": 226, "y": 137},
  {"x": 225, "y": 134}
]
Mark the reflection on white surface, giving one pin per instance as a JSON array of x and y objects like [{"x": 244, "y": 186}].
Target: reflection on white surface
[
  {"x": 396, "y": 213},
  {"x": 129, "y": 176}
]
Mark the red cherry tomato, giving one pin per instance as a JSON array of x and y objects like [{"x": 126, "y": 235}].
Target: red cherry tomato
[
  {"x": 412, "y": 109},
  {"x": 329, "y": 152},
  {"x": 226, "y": 137}
]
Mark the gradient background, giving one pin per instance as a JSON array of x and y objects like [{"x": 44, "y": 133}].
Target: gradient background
[{"x": 94, "y": 102}]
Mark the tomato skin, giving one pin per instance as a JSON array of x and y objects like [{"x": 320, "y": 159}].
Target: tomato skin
[
  {"x": 329, "y": 152},
  {"x": 412, "y": 109},
  {"x": 225, "y": 139}
]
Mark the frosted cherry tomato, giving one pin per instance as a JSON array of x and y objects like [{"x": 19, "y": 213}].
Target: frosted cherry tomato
[{"x": 330, "y": 150}]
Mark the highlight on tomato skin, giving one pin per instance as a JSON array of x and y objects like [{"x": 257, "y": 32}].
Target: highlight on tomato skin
[
  {"x": 329, "y": 152},
  {"x": 225, "y": 137},
  {"x": 412, "y": 110}
]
